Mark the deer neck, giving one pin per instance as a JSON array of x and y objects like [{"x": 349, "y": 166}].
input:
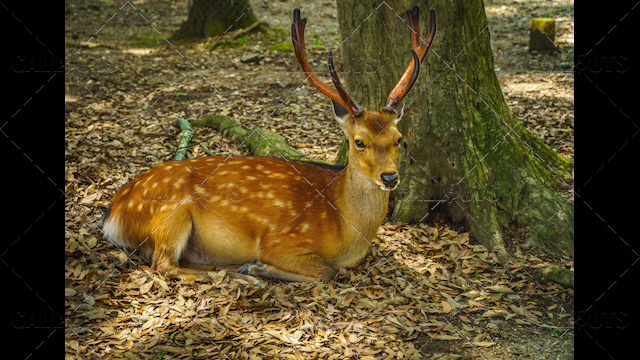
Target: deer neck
[{"x": 362, "y": 203}]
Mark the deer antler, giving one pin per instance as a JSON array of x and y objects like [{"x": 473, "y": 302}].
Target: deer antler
[
  {"x": 411, "y": 74},
  {"x": 340, "y": 96}
]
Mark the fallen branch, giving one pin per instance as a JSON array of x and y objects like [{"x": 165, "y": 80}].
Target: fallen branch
[{"x": 205, "y": 149}]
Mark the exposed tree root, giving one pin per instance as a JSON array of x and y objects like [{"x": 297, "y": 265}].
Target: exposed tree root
[
  {"x": 557, "y": 274},
  {"x": 260, "y": 142}
]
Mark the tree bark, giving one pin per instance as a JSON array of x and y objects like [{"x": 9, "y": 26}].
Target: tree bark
[
  {"x": 209, "y": 18},
  {"x": 466, "y": 156}
]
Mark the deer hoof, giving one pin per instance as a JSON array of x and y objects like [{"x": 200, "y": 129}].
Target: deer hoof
[{"x": 246, "y": 268}]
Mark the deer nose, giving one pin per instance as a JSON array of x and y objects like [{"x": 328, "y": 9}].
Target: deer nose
[{"x": 389, "y": 180}]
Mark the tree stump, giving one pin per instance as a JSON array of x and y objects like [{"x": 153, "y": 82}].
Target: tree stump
[
  {"x": 543, "y": 32},
  {"x": 209, "y": 18}
]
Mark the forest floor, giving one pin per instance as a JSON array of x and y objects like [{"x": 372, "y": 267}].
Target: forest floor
[{"x": 427, "y": 291}]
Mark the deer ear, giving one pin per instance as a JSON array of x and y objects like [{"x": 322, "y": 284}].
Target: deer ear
[
  {"x": 400, "y": 113},
  {"x": 340, "y": 112}
]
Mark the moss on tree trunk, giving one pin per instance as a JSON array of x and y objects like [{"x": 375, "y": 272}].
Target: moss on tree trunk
[{"x": 466, "y": 155}]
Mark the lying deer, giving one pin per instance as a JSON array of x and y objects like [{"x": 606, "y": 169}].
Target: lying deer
[{"x": 283, "y": 219}]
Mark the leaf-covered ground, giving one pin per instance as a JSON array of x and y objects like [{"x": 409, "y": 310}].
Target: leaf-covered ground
[{"x": 427, "y": 291}]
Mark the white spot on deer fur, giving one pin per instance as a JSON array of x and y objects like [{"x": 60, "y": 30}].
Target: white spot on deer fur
[
  {"x": 164, "y": 207},
  {"x": 188, "y": 169},
  {"x": 125, "y": 191},
  {"x": 140, "y": 207},
  {"x": 258, "y": 218},
  {"x": 304, "y": 227},
  {"x": 178, "y": 183},
  {"x": 259, "y": 167},
  {"x": 279, "y": 203},
  {"x": 266, "y": 171},
  {"x": 246, "y": 167},
  {"x": 166, "y": 180},
  {"x": 251, "y": 177},
  {"x": 324, "y": 215},
  {"x": 130, "y": 204}
]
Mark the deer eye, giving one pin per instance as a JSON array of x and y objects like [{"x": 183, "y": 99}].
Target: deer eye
[
  {"x": 359, "y": 144},
  {"x": 397, "y": 143}
]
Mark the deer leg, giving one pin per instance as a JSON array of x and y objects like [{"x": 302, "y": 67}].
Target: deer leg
[
  {"x": 201, "y": 272},
  {"x": 172, "y": 269},
  {"x": 167, "y": 241},
  {"x": 297, "y": 266}
]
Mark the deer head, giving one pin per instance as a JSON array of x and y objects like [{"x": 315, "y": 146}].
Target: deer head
[{"x": 373, "y": 137}]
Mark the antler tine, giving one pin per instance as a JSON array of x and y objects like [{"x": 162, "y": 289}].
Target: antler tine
[
  {"x": 297, "y": 37},
  {"x": 414, "y": 24},
  {"x": 351, "y": 104},
  {"x": 340, "y": 96},
  {"x": 407, "y": 80},
  {"x": 414, "y": 21},
  {"x": 405, "y": 84}
]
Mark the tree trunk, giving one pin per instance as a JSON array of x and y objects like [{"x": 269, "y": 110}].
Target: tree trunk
[
  {"x": 209, "y": 18},
  {"x": 466, "y": 156}
]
